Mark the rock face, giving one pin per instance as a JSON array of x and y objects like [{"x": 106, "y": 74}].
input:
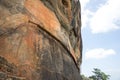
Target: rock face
[{"x": 40, "y": 40}]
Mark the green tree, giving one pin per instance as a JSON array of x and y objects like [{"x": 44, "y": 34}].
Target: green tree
[
  {"x": 99, "y": 75},
  {"x": 84, "y": 77}
]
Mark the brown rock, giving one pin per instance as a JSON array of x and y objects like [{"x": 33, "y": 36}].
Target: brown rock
[{"x": 40, "y": 40}]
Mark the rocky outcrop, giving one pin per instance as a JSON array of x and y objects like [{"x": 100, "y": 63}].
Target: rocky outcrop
[{"x": 40, "y": 40}]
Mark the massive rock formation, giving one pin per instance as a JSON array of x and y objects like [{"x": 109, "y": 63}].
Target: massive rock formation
[{"x": 40, "y": 40}]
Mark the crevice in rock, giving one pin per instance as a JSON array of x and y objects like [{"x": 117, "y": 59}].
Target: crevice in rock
[
  {"x": 57, "y": 41},
  {"x": 65, "y": 3}
]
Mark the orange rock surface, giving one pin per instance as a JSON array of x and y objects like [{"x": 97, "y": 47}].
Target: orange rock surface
[{"x": 40, "y": 38}]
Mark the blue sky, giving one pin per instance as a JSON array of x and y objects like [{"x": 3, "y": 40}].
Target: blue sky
[{"x": 101, "y": 37}]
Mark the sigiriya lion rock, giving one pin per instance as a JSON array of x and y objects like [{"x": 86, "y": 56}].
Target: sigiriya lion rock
[{"x": 40, "y": 40}]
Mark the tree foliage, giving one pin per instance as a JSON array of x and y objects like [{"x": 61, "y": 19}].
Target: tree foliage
[
  {"x": 84, "y": 77},
  {"x": 99, "y": 75}
]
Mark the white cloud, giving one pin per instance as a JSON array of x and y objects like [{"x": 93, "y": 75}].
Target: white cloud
[
  {"x": 85, "y": 13},
  {"x": 86, "y": 18},
  {"x": 99, "y": 53},
  {"x": 83, "y": 3},
  {"x": 104, "y": 20}
]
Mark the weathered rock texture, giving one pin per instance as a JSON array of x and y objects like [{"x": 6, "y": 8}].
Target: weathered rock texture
[{"x": 40, "y": 40}]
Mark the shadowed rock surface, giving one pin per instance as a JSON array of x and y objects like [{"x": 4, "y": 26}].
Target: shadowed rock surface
[{"x": 40, "y": 40}]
